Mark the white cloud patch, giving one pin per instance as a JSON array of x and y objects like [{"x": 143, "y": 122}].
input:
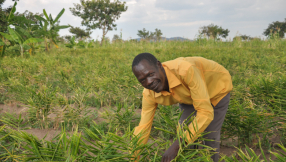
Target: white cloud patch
[
  {"x": 188, "y": 23},
  {"x": 174, "y": 18}
]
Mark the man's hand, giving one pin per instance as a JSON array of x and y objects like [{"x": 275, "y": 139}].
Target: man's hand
[{"x": 171, "y": 153}]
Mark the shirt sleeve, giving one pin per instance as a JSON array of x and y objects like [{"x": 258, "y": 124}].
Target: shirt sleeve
[
  {"x": 149, "y": 107},
  {"x": 201, "y": 103}
]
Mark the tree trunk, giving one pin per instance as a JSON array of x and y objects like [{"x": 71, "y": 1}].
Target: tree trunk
[
  {"x": 46, "y": 43},
  {"x": 22, "y": 50},
  {"x": 102, "y": 38},
  {"x": 103, "y": 33},
  {"x": 2, "y": 50}
]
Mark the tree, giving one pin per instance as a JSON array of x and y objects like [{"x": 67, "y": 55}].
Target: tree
[
  {"x": 144, "y": 34},
  {"x": 116, "y": 38},
  {"x": 3, "y": 14},
  {"x": 214, "y": 31},
  {"x": 246, "y": 37},
  {"x": 27, "y": 20},
  {"x": 79, "y": 33},
  {"x": 158, "y": 34},
  {"x": 99, "y": 14},
  {"x": 276, "y": 27},
  {"x": 29, "y": 16},
  {"x": 242, "y": 37},
  {"x": 67, "y": 37}
]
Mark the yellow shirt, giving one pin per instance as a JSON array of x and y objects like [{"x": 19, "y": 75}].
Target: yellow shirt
[{"x": 192, "y": 80}]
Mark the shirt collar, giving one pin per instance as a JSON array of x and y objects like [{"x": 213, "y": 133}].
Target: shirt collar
[{"x": 172, "y": 80}]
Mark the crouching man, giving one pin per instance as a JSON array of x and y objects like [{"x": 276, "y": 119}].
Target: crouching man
[{"x": 199, "y": 85}]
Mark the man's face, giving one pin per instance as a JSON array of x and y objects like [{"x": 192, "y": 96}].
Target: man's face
[{"x": 152, "y": 77}]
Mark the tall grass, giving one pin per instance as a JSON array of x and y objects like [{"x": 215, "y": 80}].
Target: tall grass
[{"x": 66, "y": 82}]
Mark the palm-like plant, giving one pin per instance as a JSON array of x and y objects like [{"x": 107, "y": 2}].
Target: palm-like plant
[
  {"x": 22, "y": 37},
  {"x": 2, "y": 47},
  {"x": 49, "y": 28},
  {"x": 71, "y": 43},
  {"x": 18, "y": 35},
  {"x": 8, "y": 20}
]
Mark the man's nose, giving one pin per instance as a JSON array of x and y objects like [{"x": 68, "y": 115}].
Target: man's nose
[{"x": 149, "y": 82}]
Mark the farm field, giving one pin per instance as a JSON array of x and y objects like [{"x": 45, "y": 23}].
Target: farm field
[{"x": 88, "y": 102}]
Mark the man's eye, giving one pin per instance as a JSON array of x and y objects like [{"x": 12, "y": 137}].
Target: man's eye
[
  {"x": 142, "y": 81},
  {"x": 151, "y": 74}
]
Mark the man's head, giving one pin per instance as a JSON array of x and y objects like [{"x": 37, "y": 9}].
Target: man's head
[{"x": 150, "y": 72}]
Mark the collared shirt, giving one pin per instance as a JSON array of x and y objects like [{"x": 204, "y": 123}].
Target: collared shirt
[{"x": 192, "y": 80}]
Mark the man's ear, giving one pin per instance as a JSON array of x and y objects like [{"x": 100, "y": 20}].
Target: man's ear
[{"x": 159, "y": 65}]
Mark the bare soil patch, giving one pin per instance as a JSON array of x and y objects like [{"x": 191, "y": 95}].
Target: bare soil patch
[
  {"x": 13, "y": 109},
  {"x": 47, "y": 134}
]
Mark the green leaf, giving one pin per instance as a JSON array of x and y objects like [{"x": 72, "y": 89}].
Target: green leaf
[
  {"x": 23, "y": 31},
  {"x": 59, "y": 15},
  {"x": 46, "y": 15},
  {"x": 41, "y": 19},
  {"x": 26, "y": 47},
  {"x": 33, "y": 40},
  {"x": 1, "y": 43},
  {"x": 164, "y": 130},
  {"x": 51, "y": 19},
  {"x": 21, "y": 40},
  {"x": 14, "y": 35},
  {"x": 11, "y": 15},
  {"x": 7, "y": 36}
]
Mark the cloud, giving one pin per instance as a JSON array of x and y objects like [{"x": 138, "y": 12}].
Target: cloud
[
  {"x": 188, "y": 23},
  {"x": 174, "y": 18}
]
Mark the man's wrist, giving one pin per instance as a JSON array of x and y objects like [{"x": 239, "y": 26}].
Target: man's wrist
[{"x": 176, "y": 145}]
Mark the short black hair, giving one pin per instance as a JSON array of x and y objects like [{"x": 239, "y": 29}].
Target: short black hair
[{"x": 147, "y": 56}]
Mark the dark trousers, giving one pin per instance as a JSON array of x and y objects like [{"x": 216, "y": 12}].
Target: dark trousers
[{"x": 214, "y": 127}]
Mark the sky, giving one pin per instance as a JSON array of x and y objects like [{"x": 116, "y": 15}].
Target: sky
[{"x": 175, "y": 18}]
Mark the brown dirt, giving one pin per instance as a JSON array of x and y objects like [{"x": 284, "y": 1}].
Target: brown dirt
[
  {"x": 49, "y": 134},
  {"x": 13, "y": 109}
]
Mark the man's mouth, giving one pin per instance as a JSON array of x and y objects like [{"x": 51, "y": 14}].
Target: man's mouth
[{"x": 155, "y": 86}]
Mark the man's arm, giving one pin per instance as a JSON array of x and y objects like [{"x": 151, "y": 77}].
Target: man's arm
[
  {"x": 147, "y": 116},
  {"x": 201, "y": 103}
]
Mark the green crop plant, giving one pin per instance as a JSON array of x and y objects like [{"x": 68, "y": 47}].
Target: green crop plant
[
  {"x": 18, "y": 36},
  {"x": 167, "y": 119},
  {"x": 49, "y": 30},
  {"x": 71, "y": 43},
  {"x": 76, "y": 114},
  {"x": 122, "y": 116},
  {"x": 9, "y": 147},
  {"x": 245, "y": 121},
  {"x": 14, "y": 121},
  {"x": 101, "y": 146},
  {"x": 101, "y": 77},
  {"x": 82, "y": 44},
  {"x": 40, "y": 105},
  {"x": 14, "y": 36}
]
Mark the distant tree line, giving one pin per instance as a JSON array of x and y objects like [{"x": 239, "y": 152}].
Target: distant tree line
[
  {"x": 276, "y": 27},
  {"x": 144, "y": 34},
  {"x": 214, "y": 31},
  {"x": 95, "y": 14}
]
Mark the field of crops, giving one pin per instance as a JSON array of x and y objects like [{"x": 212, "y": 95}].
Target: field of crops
[{"x": 90, "y": 95}]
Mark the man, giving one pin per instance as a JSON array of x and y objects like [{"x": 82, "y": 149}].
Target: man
[{"x": 197, "y": 84}]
